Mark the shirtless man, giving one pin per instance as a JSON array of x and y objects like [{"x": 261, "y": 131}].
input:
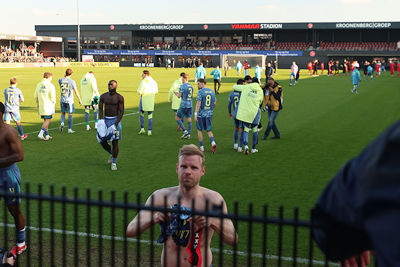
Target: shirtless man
[
  {"x": 193, "y": 248},
  {"x": 111, "y": 121},
  {"x": 10, "y": 179}
]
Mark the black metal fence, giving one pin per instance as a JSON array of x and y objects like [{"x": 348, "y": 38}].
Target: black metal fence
[{"x": 87, "y": 228}]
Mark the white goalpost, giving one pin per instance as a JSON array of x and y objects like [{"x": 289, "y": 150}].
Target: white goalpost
[{"x": 252, "y": 60}]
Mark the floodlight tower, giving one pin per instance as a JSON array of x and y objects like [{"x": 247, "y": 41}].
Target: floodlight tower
[{"x": 78, "y": 43}]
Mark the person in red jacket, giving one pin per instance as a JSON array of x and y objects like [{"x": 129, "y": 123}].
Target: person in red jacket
[
  {"x": 246, "y": 68},
  {"x": 310, "y": 66},
  {"x": 322, "y": 68},
  {"x": 392, "y": 67},
  {"x": 398, "y": 68}
]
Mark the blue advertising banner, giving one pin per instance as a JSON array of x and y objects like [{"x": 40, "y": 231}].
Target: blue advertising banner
[{"x": 191, "y": 52}]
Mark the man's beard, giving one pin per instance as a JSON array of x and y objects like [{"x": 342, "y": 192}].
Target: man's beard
[{"x": 112, "y": 91}]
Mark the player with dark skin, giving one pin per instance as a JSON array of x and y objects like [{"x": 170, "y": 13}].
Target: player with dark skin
[
  {"x": 113, "y": 107},
  {"x": 11, "y": 151}
]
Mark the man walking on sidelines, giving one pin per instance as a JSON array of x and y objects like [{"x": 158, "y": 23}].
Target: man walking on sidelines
[
  {"x": 200, "y": 73},
  {"x": 45, "y": 98},
  {"x": 355, "y": 78},
  {"x": 11, "y": 151},
  {"x": 294, "y": 69},
  {"x": 13, "y": 96},
  {"x": 204, "y": 112},
  {"x": 68, "y": 88},
  {"x": 186, "y": 108},
  {"x": 257, "y": 73},
  {"x": 173, "y": 98},
  {"x": 249, "y": 111},
  {"x": 186, "y": 237},
  {"x": 217, "y": 79},
  {"x": 147, "y": 90},
  {"x": 109, "y": 127},
  {"x": 90, "y": 97},
  {"x": 239, "y": 68}
]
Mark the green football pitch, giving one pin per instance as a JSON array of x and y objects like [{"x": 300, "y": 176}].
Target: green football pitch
[{"x": 322, "y": 125}]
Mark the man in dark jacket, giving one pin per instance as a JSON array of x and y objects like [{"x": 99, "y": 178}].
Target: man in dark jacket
[
  {"x": 268, "y": 71},
  {"x": 359, "y": 210}
]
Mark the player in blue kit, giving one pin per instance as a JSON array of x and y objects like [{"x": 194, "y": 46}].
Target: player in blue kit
[
  {"x": 11, "y": 151},
  {"x": 204, "y": 112},
  {"x": 186, "y": 108},
  {"x": 13, "y": 96},
  {"x": 233, "y": 103},
  {"x": 68, "y": 88}
]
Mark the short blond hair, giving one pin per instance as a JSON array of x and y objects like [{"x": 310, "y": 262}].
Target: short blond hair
[{"x": 191, "y": 150}]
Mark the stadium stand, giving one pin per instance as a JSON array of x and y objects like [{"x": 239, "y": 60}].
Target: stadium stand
[{"x": 357, "y": 46}]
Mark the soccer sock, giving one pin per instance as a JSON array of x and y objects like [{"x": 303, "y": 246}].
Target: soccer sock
[
  {"x": 150, "y": 117},
  {"x": 20, "y": 130},
  {"x": 189, "y": 127},
  {"x": 42, "y": 131},
  {"x": 62, "y": 119},
  {"x": 141, "y": 119},
  {"x": 235, "y": 136},
  {"x": 246, "y": 136},
  {"x": 96, "y": 115},
  {"x": 114, "y": 160},
  {"x": 241, "y": 139},
  {"x": 255, "y": 137},
  {"x": 21, "y": 236},
  {"x": 87, "y": 116},
  {"x": 201, "y": 143},
  {"x": 46, "y": 132},
  {"x": 180, "y": 123},
  {"x": 212, "y": 141},
  {"x": 70, "y": 121}
]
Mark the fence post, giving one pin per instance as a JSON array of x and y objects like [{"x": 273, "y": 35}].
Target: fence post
[
  {"x": 28, "y": 224},
  {"x": 250, "y": 235},
  {"x": 40, "y": 226},
  {"x": 52, "y": 248},
  {"x": 265, "y": 235},
  {"x": 280, "y": 233},
  {"x": 100, "y": 225},
  {"x": 76, "y": 229},
  {"x": 138, "y": 196},
  {"x": 221, "y": 240},
  {"x": 88, "y": 227},
  {"x": 64, "y": 226},
  {"x": 295, "y": 235},
  {"x": 152, "y": 234},
  {"x": 236, "y": 225},
  {"x": 125, "y": 225},
  {"x": 113, "y": 228}
]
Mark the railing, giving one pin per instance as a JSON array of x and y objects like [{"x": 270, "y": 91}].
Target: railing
[{"x": 81, "y": 231}]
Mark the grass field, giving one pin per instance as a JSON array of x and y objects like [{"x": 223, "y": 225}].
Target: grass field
[{"x": 322, "y": 126}]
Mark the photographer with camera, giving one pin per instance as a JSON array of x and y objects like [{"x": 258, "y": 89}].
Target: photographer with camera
[{"x": 273, "y": 98}]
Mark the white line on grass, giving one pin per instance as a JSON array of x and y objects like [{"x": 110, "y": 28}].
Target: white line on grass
[
  {"x": 120, "y": 238},
  {"x": 81, "y": 123}
]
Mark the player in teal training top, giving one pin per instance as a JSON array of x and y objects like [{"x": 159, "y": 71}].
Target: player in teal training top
[
  {"x": 186, "y": 107},
  {"x": 13, "y": 96},
  {"x": 217, "y": 79},
  {"x": 200, "y": 73},
  {"x": 204, "y": 112}
]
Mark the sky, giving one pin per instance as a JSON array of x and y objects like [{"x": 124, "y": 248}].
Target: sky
[{"x": 26, "y": 14}]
